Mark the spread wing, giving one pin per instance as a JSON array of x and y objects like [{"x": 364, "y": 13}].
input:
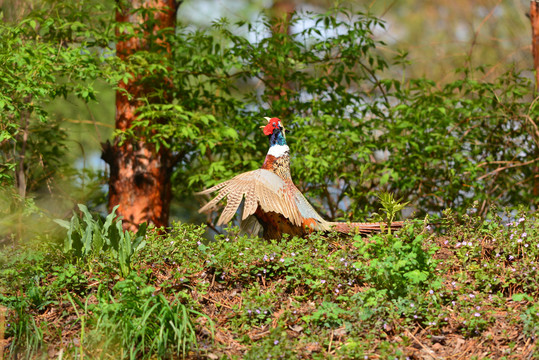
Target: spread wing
[
  {"x": 259, "y": 187},
  {"x": 306, "y": 209}
]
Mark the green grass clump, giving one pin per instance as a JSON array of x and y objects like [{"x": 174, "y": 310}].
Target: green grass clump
[{"x": 139, "y": 321}]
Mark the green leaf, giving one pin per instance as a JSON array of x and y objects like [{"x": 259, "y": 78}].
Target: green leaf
[
  {"x": 63, "y": 223},
  {"x": 521, "y": 297}
]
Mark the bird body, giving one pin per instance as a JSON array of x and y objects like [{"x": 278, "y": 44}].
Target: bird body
[{"x": 272, "y": 201}]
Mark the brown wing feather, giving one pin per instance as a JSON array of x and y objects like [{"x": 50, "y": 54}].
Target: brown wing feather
[
  {"x": 251, "y": 203},
  {"x": 213, "y": 188},
  {"x": 213, "y": 203},
  {"x": 261, "y": 188}
]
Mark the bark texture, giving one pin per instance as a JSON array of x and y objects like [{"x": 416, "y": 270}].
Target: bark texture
[
  {"x": 534, "y": 18},
  {"x": 139, "y": 174},
  {"x": 279, "y": 88}
]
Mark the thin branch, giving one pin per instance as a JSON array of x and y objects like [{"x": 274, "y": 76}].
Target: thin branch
[
  {"x": 476, "y": 33},
  {"x": 496, "y": 162},
  {"x": 534, "y": 125},
  {"x": 507, "y": 167},
  {"x": 89, "y": 122},
  {"x": 210, "y": 225},
  {"x": 331, "y": 205},
  {"x": 94, "y": 122},
  {"x": 21, "y": 178}
]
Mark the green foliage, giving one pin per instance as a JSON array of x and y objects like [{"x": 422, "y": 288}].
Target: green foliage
[
  {"x": 394, "y": 264},
  {"x": 26, "y": 333},
  {"x": 318, "y": 297},
  {"x": 502, "y": 257},
  {"x": 88, "y": 238},
  {"x": 328, "y": 314},
  {"x": 530, "y": 318},
  {"x": 433, "y": 145},
  {"x": 446, "y": 141},
  {"x": 143, "y": 323},
  {"x": 49, "y": 54},
  {"x": 38, "y": 53},
  {"x": 259, "y": 306},
  {"x": 497, "y": 260},
  {"x": 70, "y": 278},
  {"x": 391, "y": 208},
  {"x": 276, "y": 345}
]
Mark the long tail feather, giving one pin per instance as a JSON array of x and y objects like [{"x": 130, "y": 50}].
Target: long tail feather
[{"x": 364, "y": 228}]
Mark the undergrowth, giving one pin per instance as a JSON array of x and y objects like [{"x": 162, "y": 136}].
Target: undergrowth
[{"x": 387, "y": 295}]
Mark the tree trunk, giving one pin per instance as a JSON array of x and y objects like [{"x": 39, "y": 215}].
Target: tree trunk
[
  {"x": 277, "y": 84},
  {"x": 534, "y": 18},
  {"x": 139, "y": 174}
]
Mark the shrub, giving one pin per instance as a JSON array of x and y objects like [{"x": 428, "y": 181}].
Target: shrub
[{"x": 90, "y": 237}]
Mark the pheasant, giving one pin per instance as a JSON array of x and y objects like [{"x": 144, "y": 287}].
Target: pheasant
[{"x": 272, "y": 201}]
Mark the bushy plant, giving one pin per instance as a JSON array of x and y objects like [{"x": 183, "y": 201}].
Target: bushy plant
[
  {"x": 48, "y": 54},
  {"x": 434, "y": 145},
  {"x": 328, "y": 314},
  {"x": 395, "y": 264},
  {"x": 87, "y": 238}
]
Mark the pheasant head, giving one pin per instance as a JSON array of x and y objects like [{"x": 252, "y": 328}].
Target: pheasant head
[
  {"x": 275, "y": 131},
  {"x": 277, "y": 159}
]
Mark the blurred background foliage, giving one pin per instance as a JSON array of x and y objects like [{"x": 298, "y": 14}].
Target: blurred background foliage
[{"x": 431, "y": 100}]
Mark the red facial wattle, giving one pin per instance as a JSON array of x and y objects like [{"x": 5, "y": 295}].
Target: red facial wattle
[{"x": 272, "y": 125}]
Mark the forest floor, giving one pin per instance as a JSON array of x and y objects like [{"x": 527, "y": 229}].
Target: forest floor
[{"x": 460, "y": 292}]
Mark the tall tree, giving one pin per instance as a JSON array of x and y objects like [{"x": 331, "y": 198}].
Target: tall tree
[
  {"x": 534, "y": 18},
  {"x": 139, "y": 170},
  {"x": 278, "y": 86}
]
